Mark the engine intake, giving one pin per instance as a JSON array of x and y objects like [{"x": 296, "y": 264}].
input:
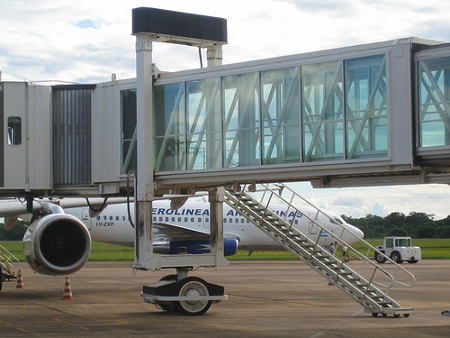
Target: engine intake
[{"x": 57, "y": 244}]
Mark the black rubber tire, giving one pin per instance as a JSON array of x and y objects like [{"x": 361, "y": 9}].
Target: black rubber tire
[
  {"x": 412, "y": 261},
  {"x": 192, "y": 285},
  {"x": 380, "y": 259},
  {"x": 395, "y": 256}
]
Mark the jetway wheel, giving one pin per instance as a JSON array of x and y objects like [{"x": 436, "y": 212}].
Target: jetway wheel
[{"x": 192, "y": 286}]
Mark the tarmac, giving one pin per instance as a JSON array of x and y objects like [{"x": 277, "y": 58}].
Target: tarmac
[{"x": 266, "y": 299}]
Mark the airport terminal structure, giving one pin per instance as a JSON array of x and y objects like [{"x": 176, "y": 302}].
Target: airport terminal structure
[{"x": 373, "y": 114}]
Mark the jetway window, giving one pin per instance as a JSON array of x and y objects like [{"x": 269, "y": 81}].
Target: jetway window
[
  {"x": 170, "y": 127},
  {"x": 280, "y": 115},
  {"x": 241, "y": 120},
  {"x": 129, "y": 131},
  {"x": 322, "y": 112},
  {"x": 334, "y": 110},
  {"x": 14, "y": 131},
  {"x": 204, "y": 124},
  {"x": 434, "y": 102},
  {"x": 366, "y": 107}
]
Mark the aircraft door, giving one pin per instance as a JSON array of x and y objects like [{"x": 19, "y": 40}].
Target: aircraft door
[{"x": 86, "y": 219}]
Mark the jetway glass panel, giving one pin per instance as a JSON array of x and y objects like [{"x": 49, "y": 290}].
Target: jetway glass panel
[
  {"x": 280, "y": 111},
  {"x": 204, "y": 124},
  {"x": 170, "y": 127},
  {"x": 129, "y": 131},
  {"x": 366, "y": 107},
  {"x": 322, "y": 112},
  {"x": 241, "y": 120},
  {"x": 2, "y": 160},
  {"x": 434, "y": 102},
  {"x": 330, "y": 111}
]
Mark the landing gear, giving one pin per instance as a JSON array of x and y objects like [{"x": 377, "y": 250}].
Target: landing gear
[{"x": 190, "y": 296}]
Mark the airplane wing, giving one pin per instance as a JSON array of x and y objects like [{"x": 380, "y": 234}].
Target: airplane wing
[
  {"x": 174, "y": 232},
  {"x": 16, "y": 207}
]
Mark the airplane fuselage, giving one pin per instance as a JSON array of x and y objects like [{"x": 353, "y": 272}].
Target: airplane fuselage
[{"x": 112, "y": 225}]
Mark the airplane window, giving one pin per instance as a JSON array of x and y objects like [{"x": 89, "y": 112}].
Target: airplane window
[
  {"x": 237, "y": 220},
  {"x": 99, "y": 218},
  {"x": 105, "y": 218},
  {"x": 167, "y": 219},
  {"x": 123, "y": 218},
  {"x": 185, "y": 219},
  {"x": 179, "y": 219},
  {"x": 207, "y": 220},
  {"x": 296, "y": 222},
  {"x": 154, "y": 219},
  {"x": 200, "y": 220},
  {"x": 337, "y": 220},
  {"x": 242, "y": 220},
  {"x": 230, "y": 220},
  {"x": 173, "y": 219},
  {"x": 192, "y": 219},
  {"x": 224, "y": 220},
  {"x": 160, "y": 219},
  {"x": 117, "y": 218}
]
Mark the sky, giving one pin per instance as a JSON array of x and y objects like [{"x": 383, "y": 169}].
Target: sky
[{"x": 86, "y": 41}]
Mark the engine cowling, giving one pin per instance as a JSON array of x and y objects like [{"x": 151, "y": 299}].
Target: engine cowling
[{"x": 57, "y": 245}]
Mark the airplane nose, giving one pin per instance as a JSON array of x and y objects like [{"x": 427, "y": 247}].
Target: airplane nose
[
  {"x": 356, "y": 231},
  {"x": 359, "y": 232}
]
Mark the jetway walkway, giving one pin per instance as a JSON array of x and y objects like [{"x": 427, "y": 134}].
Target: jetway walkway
[{"x": 362, "y": 279}]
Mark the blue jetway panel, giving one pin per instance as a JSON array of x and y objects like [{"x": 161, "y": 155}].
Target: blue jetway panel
[
  {"x": 26, "y": 161},
  {"x": 336, "y": 113}
]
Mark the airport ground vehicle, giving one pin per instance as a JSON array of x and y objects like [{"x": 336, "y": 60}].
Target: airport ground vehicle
[{"x": 399, "y": 249}]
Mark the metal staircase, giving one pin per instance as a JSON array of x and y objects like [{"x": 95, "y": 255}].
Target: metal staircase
[
  {"x": 7, "y": 263},
  {"x": 363, "y": 283}
]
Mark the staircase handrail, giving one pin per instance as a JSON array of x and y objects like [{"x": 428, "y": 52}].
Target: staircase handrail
[{"x": 364, "y": 258}]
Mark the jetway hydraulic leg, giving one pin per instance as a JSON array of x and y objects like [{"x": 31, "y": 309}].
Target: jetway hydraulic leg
[{"x": 191, "y": 296}]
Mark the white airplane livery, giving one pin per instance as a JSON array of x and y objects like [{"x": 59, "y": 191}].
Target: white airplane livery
[
  {"x": 188, "y": 228},
  {"x": 58, "y": 241}
]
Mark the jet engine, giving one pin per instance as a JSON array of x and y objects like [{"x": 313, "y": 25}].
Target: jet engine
[{"x": 57, "y": 244}]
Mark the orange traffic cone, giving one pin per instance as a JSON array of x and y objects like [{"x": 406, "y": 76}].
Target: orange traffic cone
[
  {"x": 19, "y": 284},
  {"x": 67, "y": 290}
]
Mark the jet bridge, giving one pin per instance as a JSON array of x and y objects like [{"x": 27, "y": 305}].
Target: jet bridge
[{"x": 373, "y": 114}]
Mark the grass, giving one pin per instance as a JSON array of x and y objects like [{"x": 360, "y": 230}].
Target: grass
[{"x": 431, "y": 249}]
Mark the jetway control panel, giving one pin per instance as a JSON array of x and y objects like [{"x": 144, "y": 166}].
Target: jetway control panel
[{"x": 374, "y": 114}]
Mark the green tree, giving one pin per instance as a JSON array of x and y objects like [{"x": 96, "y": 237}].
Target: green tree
[{"x": 16, "y": 233}]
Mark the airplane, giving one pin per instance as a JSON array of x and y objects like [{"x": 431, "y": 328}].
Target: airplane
[{"x": 59, "y": 239}]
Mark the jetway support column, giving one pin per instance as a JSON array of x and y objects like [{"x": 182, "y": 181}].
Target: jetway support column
[
  {"x": 214, "y": 55},
  {"x": 216, "y": 209},
  {"x": 145, "y": 186}
]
